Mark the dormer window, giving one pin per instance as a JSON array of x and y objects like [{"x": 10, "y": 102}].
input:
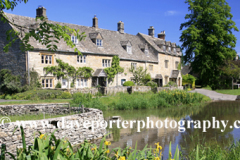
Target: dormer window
[
  {"x": 74, "y": 39},
  {"x": 129, "y": 49},
  {"x": 127, "y": 46},
  {"x": 96, "y": 38},
  {"x": 174, "y": 50},
  {"x": 146, "y": 52},
  {"x": 99, "y": 42},
  {"x": 164, "y": 48},
  {"x": 169, "y": 49}
]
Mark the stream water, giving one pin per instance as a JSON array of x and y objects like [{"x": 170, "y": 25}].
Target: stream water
[{"x": 224, "y": 110}]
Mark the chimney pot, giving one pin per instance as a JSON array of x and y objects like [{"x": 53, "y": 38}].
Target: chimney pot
[{"x": 162, "y": 35}]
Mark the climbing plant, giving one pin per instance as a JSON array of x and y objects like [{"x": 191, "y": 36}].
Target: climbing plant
[
  {"x": 114, "y": 69},
  {"x": 64, "y": 70}
]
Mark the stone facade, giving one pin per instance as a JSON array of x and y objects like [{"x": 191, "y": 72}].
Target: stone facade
[
  {"x": 147, "y": 51},
  {"x": 74, "y": 135}
]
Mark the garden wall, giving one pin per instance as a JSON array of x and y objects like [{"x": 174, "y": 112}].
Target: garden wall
[
  {"x": 93, "y": 91},
  {"x": 140, "y": 89},
  {"x": 75, "y": 135},
  {"x": 114, "y": 90},
  {"x": 158, "y": 89}
]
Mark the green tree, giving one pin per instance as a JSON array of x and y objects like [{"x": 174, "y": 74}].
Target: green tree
[
  {"x": 208, "y": 39},
  {"x": 140, "y": 75},
  {"x": 66, "y": 71},
  {"x": 231, "y": 70},
  {"x": 52, "y": 33}
]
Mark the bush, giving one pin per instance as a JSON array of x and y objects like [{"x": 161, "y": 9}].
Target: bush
[
  {"x": 151, "y": 84},
  {"x": 129, "y": 83},
  {"x": 66, "y": 95},
  {"x": 58, "y": 85},
  {"x": 8, "y": 97},
  {"x": 147, "y": 78},
  {"x": 9, "y": 83},
  {"x": 40, "y": 94},
  {"x": 81, "y": 98}
]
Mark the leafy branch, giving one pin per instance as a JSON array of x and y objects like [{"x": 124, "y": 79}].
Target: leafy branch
[{"x": 114, "y": 69}]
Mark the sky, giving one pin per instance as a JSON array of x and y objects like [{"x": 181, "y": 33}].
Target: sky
[{"x": 137, "y": 15}]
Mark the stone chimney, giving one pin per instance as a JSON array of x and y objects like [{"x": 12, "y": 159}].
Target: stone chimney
[
  {"x": 120, "y": 27},
  {"x": 162, "y": 35},
  {"x": 95, "y": 22},
  {"x": 41, "y": 12},
  {"x": 151, "y": 31}
]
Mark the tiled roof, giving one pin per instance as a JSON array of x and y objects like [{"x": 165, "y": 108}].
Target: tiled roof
[{"x": 111, "y": 41}]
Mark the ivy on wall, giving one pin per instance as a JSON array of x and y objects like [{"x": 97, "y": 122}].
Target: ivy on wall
[
  {"x": 114, "y": 69},
  {"x": 65, "y": 71}
]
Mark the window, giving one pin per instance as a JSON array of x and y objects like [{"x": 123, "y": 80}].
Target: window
[
  {"x": 176, "y": 65},
  {"x": 169, "y": 49},
  {"x": 174, "y": 50},
  {"x": 134, "y": 65},
  {"x": 129, "y": 49},
  {"x": 166, "y": 63},
  {"x": 82, "y": 82},
  {"x": 81, "y": 59},
  {"x": 150, "y": 67},
  {"x": 106, "y": 62},
  {"x": 46, "y": 59},
  {"x": 164, "y": 48},
  {"x": 47, "y": 82},
  {"x": 64, "y": 83},
  {"x": 74, "y": 39},
  {"x": 123, "y": 81},
  {"x": 99, "y": 42},
  {"x": 146, "y": 52}
]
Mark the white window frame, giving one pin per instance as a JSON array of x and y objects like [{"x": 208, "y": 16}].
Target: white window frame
[
  {"x": 66, "y": 83},
  {"x": 164, "y": 48},
  {"x": 74, "y": 39},
  {"x": 46, "y": 59},
  {"x": 81, "y": 59},
  {"x": 174, "y": 50},
  {"x": 82, "y": 83},
  {"x": 129, "y": 49},
  {"x": 169, "y": 49},
  {"x": 99, "y": 42},
  {"x": 106, "y": 63},
  {"x": 134, "y": 65}
]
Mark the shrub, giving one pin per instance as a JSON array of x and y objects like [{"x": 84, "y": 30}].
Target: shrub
[
  {"x": 81, "y": 98},
  {"x": 8, "y": 97},
  {"x": 58, "y": 85},
  {"x": 40, "y": 94},
  {"x": 147, "y": 78},
  {"x": 9, "y": 83},
  {"x": 129, "y": 83},
  {"x": 2, "y": 96},
  {"x": 151, "y": 84},
  {"x": 66, "y": 95}
]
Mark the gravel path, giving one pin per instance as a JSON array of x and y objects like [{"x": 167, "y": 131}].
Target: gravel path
[{"x": 216, "y": 96}]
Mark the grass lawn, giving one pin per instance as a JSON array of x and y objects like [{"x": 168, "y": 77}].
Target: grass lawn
[
  {"x": 36, "y": 102},
  {"x": 225, "y": 91}
]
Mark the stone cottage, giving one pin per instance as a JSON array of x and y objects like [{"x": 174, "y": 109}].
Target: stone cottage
[{"x": 158, "y": 56}]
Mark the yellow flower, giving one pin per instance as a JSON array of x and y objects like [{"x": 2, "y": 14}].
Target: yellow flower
[
  {"x": 156, "y": 158},
  {"x": 122, "y": 158},
  {"x": 107, "y": 151},
  {"x": 41, "y": 136},
  {"x": 107, "y": 143},
  {"x": 93, "y": 149},
  {"x": 67, "y": 149},
  {"x": 116, "y": 154}
]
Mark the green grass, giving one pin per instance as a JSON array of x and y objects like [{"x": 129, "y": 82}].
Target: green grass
[
  {"x": 35, "y": 117},
  {"x": 36, "y": 101},
  {"x": 225, "y": 91}
]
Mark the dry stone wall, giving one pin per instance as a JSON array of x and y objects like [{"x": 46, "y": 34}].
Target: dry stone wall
[{"x": 76, "y": 134}]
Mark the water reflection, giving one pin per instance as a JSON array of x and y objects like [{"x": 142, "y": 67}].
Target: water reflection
[{"x": 188, "y": 139}]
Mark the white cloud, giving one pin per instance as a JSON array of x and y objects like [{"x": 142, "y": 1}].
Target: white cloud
[{"x": 170, "y": 13}]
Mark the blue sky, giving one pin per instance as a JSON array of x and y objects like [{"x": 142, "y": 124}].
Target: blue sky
[{"x": 137, "y": 15}]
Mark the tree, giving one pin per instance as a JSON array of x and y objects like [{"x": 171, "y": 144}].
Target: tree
[
  {"x": 66, "y": 71},
  {"x": 52, "y": 33},
  {"x": 231, "y": 70},
  {"x": 140, "y": 75},
  {"x": 208, "y": 39}
]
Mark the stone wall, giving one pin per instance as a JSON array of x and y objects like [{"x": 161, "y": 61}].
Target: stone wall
[
  {"x": 75, "y": 135},
  {"x": 114, "y": 90},
  {"x": 140, "y": 89},
  {"x": 56, "y": 108},
  {"x": 158, "y": 89},
  {"x": 93, "y": 91}
]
